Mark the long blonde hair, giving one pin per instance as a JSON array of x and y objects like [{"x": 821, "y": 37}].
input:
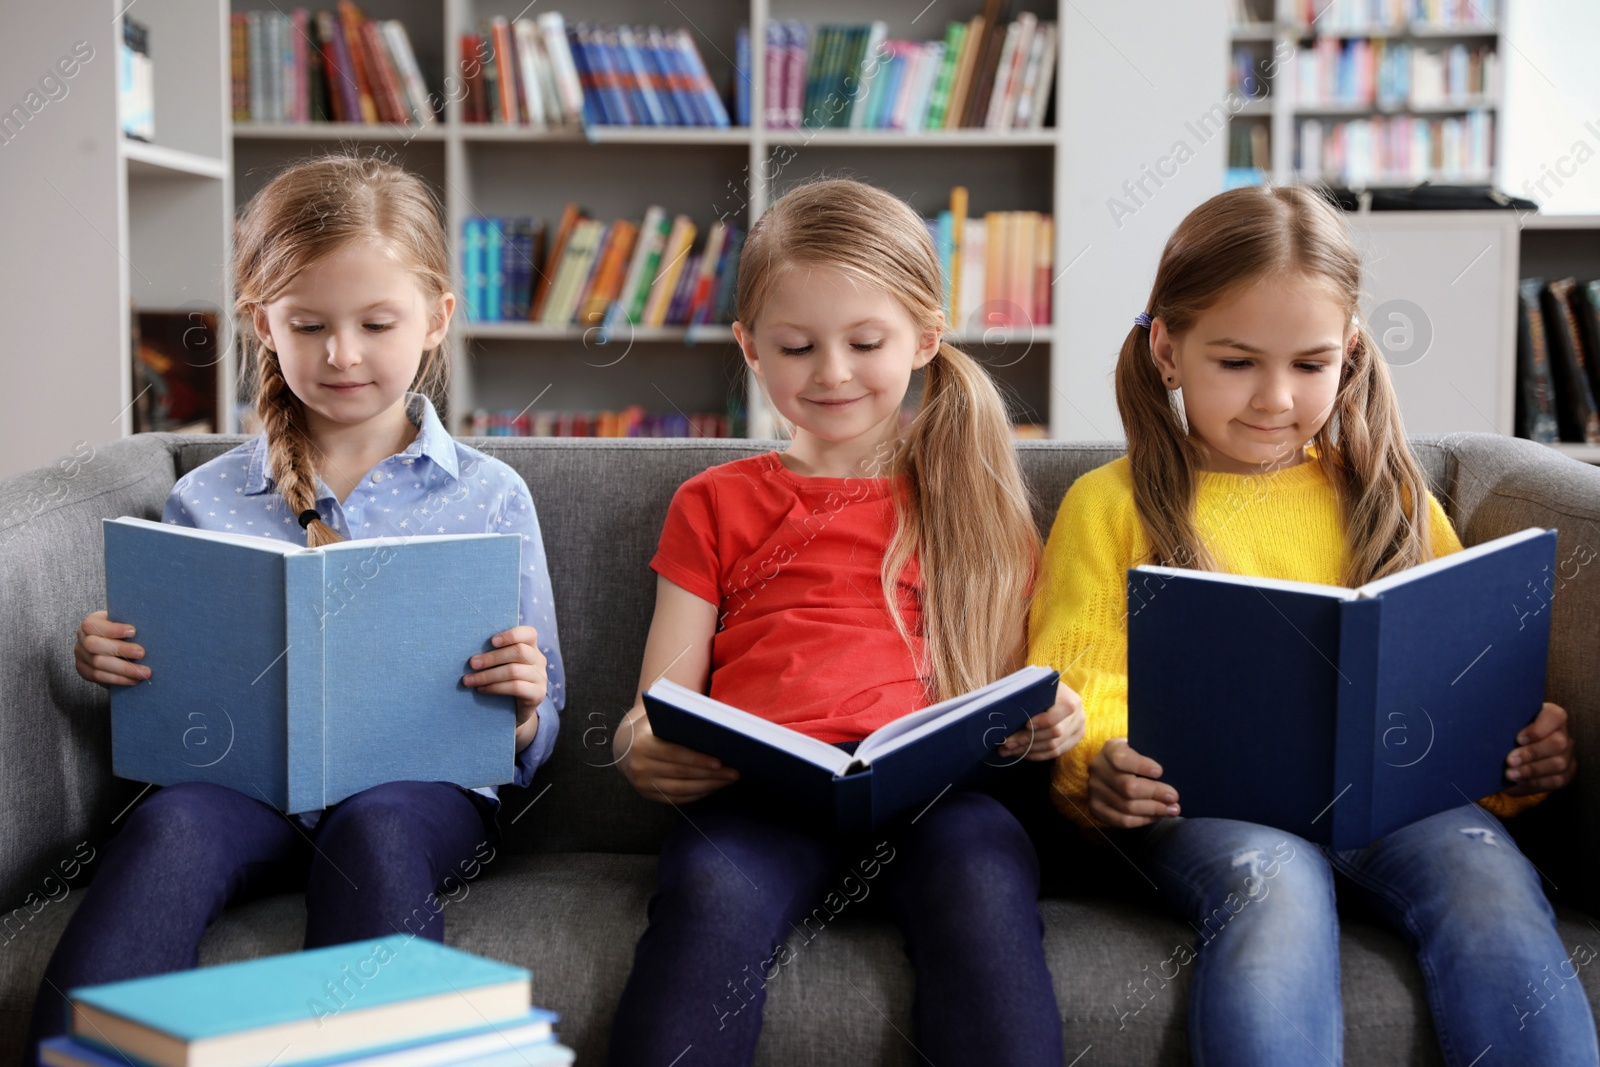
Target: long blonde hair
[
  {"x": 1231, "y": 241},
  {"x": 964, "y": 513},
  {"x": 308, "y": 211}
]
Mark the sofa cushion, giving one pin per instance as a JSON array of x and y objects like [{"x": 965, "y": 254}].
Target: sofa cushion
[{"x": 845, "y": 996}]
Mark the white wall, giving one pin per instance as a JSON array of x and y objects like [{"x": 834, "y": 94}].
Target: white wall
[
  {"x": 1550, "y": 128},
  {"x": 62, "y": 370},
  {"x": 1138, "y": 80}
]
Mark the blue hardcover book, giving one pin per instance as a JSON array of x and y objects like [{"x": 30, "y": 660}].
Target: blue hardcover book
[
  {"x": 1340, "y": 714},
  {"x": 593, "y": 113},
  {"x": 699, "y": 80},
  {"x": 636, "y": 75},
  {"x": 302, "y": 676},
  {"x": 519, "y": 270},
  {"x": 661, "y": 77},
  {"x": 494, "y": 261},
  {"x": 316, "y": 1006},
  {"x": 894, "y": 771},
  {"x": 741, "y": 76}
]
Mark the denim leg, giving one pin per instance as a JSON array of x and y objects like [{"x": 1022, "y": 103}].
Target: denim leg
[
  {"x": 1266, "y": 984},
  {"x": 382, "y": 854},
  {"x": 1497, "y": 976},
  {"x": 182, "y": 855},
  {"x": 965, "y": 892},
  {"x": 730, "y": 884}
]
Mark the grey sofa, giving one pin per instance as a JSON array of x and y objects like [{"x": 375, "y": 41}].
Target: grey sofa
[{"x": 566, "y": 893}]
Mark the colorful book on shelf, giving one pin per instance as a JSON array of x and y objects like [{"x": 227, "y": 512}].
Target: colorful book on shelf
[
  {"x": 1349, "y": 722},
  {"x": 610, "y": 270},
  {"x": 474, "y": 270},
  {"x": 632, "y": 421},
  {"x": 496, "y": 1046},
  {"x": 350, "y": 20},
  {"x": 1536, "y": 404},
  {"x": 390, "y": 997},
  {"x": 246, "y": 638},
  {"x": 570, "y": 217},
  {"x": 679, "y": 242},
  {"x": 895, "y": 770},
  {"x": 652, "y": 251}
]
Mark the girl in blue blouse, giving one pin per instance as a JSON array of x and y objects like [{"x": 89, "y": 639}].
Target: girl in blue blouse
[{"x": 342, "y": 279}]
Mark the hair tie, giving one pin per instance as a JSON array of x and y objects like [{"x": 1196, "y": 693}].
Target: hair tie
[
  {"x": 307, "y": 517},
  {"x": 1142, "y": 319}
]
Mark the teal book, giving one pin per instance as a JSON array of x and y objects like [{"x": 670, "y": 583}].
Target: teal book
[
  {"x": 319, "y": 1006},
  {"x": 301, "y": 676},
  {"x": 487, "y": 1047}
]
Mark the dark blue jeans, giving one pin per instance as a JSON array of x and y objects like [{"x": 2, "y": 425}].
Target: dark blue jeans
[
  {"x": 741, "y": 893},
  {"x": 369, "y": 869}
]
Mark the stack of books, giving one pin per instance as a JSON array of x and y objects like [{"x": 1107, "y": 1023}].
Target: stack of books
[
  {"x": 621, "y": 273},
  {"x": 1558, "y": 360},
  {"x": 997, "y": 269},
  {"x": 394, "y": 1002},
  {"x": 632, "y": 421},
  {"x": 331, "y": 66},
  {"x": 981, "y": 75},
  {"x": 543, "y": 72}
]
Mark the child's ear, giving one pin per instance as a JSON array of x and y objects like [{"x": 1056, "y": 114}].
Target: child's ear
[
  {"x": 747, "y": 347},
  {"x": 1162, "y": 352},
  {"x": 263, "y": 328},
  {"x": 439, "y": 323},
  {"x": 929, "y": 346}
]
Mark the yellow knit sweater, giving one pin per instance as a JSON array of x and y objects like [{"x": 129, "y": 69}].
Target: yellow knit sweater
[{"x": 1282, "y": 525}]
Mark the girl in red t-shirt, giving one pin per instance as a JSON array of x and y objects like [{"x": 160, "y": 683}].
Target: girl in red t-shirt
[{"x": 863, "y": 573}]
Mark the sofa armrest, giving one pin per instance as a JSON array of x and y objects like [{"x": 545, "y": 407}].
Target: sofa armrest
[
  {"x": 56, "y": 786},
  {"x": 1499, "y": 485}
]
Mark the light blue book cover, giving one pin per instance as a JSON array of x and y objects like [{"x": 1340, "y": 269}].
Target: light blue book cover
[
  {"x": 323, "y": 1003},
  {"x": 494, "y": 260},
  {"x": 302, "y": 676}
]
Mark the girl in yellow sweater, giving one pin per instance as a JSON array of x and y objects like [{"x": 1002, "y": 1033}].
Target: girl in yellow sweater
[{"x": 1264, "y": 439}]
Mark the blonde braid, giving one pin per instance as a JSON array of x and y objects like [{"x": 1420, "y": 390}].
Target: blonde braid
[{"x": 288, "y": 448}]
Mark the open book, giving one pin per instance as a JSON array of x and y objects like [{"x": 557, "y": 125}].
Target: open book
[
  {"x": 896, "y": 769},
  {"x": 1340, "y": 714},
  {"x": 300, "y": 676}
]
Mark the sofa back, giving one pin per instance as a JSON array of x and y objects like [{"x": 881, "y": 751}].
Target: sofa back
[{"x": 601, "y": 505}]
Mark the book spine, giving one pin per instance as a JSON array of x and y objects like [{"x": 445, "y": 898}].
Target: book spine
[
  {"x": 494, "y": 256},
  {"x": 776, "y": 75},
  {"x": 1357, "y": 727},
  {"x": 302, "y": 72},
  {"x": 306, "y": 618},
  {"x": 794, "y": 73},
  {"x": 472, "y": 242},
  {"x": 257, "y": 66},
  {"x": 239, "y": 52},
  {"x": 640, "y": 297},
  {"x": 351, "y": 18}
]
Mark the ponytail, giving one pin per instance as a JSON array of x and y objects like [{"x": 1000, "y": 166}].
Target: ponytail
[{"x": 965, "y": 515}]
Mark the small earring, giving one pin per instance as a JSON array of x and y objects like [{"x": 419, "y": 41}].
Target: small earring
[{"x": 1169, "y": 377}]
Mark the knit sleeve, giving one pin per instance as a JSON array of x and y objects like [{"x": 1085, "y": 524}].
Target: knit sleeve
[
  {"x": 1445, "y": 541},
  {"x": 1078, "y": 620}
]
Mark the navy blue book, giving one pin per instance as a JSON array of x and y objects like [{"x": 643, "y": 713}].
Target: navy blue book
[
  {"x": 894, "y": 771},
  {"x": 303, "y": 675},
  {"x": 1340, "y": 714}
]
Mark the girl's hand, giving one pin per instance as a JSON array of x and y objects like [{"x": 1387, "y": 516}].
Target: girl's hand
[
  {"x": 101, "y": 656},
  {"x": 1122, "y": 792},
  {"x": 516, "y": 668},
  {"x": 662, "y": 771},
  {"x": 1051, "y": 732},
  {"x": 1545, "y": 760}
]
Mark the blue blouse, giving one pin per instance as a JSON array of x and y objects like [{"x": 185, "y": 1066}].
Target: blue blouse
[{"x": 436, "y": 486}]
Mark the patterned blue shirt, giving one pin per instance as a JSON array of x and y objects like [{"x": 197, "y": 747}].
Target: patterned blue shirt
[{"x": 436, "y": 486}]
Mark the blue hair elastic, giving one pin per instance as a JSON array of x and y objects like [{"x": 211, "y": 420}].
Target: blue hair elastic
[{"x": 1142, "y": 319}]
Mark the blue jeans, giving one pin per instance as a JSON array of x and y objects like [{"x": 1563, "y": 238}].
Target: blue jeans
[
  {"x": 741, "y": 894},
  {"x": 1265, "y": 988},
  {"x": 369, "y": 869}
]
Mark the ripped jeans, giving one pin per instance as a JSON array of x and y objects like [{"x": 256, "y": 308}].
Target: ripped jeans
[{"x": 1265, "y": 989}]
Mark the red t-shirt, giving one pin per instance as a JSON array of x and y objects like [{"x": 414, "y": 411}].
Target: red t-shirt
[{"x": 804, "y": 636}]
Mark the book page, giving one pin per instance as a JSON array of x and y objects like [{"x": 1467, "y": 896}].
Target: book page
[{"x": 909, "y": 728}]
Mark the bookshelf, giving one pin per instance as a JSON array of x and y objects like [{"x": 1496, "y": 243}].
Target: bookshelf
[
  {"x": 491, "y": 169},
  {"x": 1412, "y": 85}
]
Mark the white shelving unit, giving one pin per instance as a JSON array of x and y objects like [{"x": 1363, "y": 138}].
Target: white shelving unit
[{"x": 98, "y": 226}]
